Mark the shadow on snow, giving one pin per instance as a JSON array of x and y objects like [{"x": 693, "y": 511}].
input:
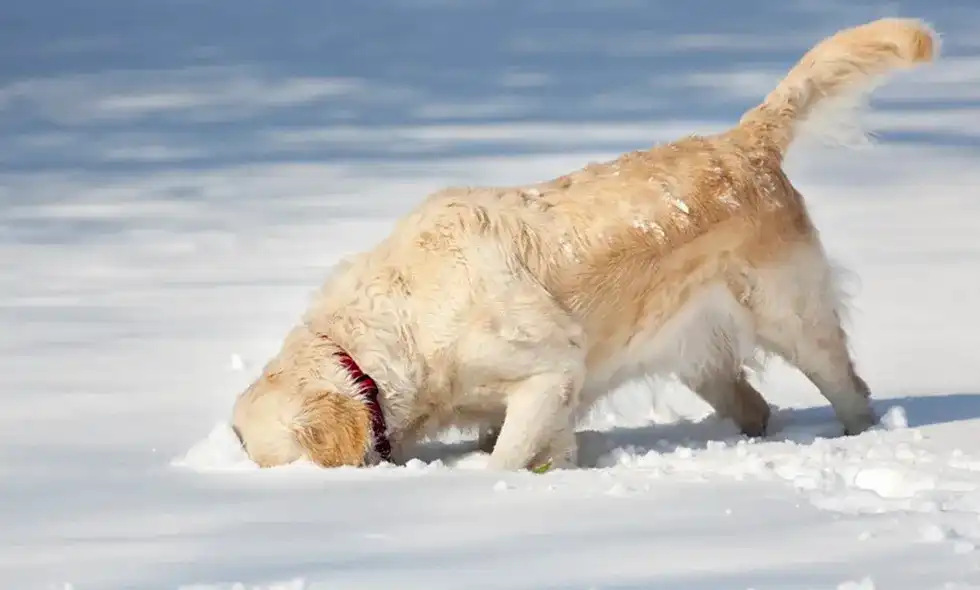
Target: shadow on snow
[{"x": 798, "y": 425}]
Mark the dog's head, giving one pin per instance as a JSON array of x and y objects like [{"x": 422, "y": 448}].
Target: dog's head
[{"x": 280, "y": 420}]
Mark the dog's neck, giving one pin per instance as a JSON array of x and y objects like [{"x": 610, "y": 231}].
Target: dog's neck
[{"x": 368, "y": 391}]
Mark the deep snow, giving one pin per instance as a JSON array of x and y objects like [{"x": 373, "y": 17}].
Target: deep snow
[{"x": 177, "y": 177}]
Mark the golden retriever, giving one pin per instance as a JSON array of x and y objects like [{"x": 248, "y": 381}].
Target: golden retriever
[{"x": 515, "y": 309}]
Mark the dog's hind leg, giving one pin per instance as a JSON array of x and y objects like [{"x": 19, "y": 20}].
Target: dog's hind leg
[
  {"x": 731, "y": 396},
  {"x": 797, "y": 308},
  {"x": 712, "y": 337},
  {"x": 820, "y": 351},
  {"x": 721, "y": 382}
]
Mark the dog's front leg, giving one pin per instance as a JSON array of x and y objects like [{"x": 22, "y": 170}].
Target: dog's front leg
[
  {"x": 562, "y": 453},
  {"x": 521, "y": 345},
  {"x": 486, "y": 440},
  {"x": 538, "y": 418},
  {"x": 402, "y": 450},
  {"x": 404, "y": 443}
]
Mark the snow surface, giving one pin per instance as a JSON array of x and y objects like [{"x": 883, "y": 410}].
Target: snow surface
[{"x": 176, "y": 178}]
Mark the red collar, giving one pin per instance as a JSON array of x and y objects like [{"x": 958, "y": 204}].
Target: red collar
[{"x": 369, "y": 389}]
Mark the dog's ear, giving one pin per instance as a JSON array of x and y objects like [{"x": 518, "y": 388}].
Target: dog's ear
[{"x": 334, "y": 429}]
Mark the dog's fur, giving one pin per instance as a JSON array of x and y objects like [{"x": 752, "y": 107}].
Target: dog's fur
[{"x": 520, "y": 307}]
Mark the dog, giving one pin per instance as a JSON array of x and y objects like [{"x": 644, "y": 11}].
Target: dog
[{"x": 515, "y": 309}]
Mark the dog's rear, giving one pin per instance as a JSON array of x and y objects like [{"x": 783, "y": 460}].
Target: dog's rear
[
  {"x": 798, "y": 308},
  {"x": 729, "y": 260},
  {"x": 795, "y": 306}
]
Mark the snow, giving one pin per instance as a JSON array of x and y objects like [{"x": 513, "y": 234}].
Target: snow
[{"x": 177, "y": 178}]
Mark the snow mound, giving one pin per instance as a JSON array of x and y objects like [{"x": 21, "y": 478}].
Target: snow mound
[
  {"x": 895, "y": 419},
  {"x": 219, "y": 451},
  {"x": 893, "y": 482}
]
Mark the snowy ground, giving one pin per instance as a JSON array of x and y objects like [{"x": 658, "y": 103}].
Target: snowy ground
[{"x": 176, "y": 178}]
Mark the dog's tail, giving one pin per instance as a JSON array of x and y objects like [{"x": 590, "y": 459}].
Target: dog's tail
[{"x": 835, "y": 77}]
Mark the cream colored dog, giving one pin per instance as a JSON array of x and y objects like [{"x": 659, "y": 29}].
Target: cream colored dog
[{"x": 520, "y": 307}]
